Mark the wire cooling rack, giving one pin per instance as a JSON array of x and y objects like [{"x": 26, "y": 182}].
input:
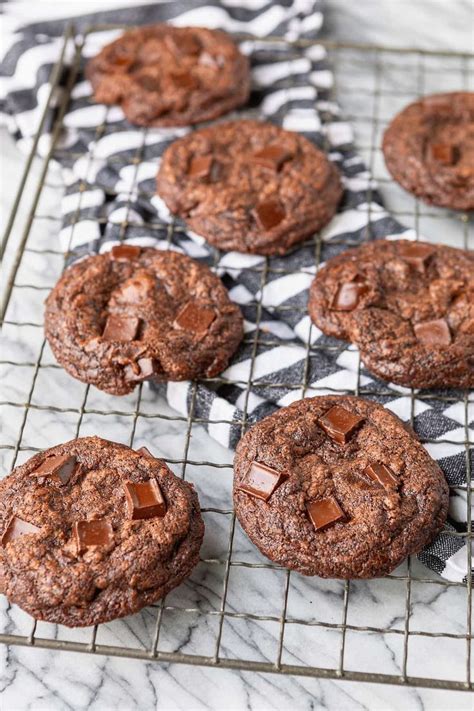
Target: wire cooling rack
[{"x": 237, "y": 611}]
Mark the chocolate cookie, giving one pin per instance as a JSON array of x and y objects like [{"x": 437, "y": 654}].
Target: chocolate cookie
[
  {"x": 91, "y": 530},
  {"x": 429, "y": 149},
  {"x": 337, "y": 487},
  {"x": 170, "y": 76},
  {"x": 408, "y": 306},
  {"x": 134, "y": 314},
  {"x": 249, "y": 186}
]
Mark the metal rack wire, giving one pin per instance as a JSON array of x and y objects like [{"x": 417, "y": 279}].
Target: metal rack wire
[{"x": 150, "y": 640}]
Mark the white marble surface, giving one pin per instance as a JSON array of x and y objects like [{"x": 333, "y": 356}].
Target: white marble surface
[{"x": 40, "y": 679}]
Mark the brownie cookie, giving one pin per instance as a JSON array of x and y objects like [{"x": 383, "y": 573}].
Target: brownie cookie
[
  {"x": 408, "y": 306},
  {"x": 135, "y": 314},
  {"x": 249, "y": 186},
  {"x": 337, "y": 487},
  {"x": 429, "y": 149},
  {"x": 91, "y": 530},
  {"x": 171, "y": 76}
]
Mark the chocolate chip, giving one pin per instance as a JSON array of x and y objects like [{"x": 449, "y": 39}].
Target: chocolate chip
[
  {"x": 195, "y": 318},
  {"x": 415, "y": 254},
  {"x": 60, "y": 468},
  {"x": 90, "y": 534},
  {"x": 200, "y": 167},
  {"x": 16, "y": 528},
  {"x": 145, "y": 452},
  {"x": 144, "y": 499},
  {"x": 137, "y": 288},
  {"x": 381, "y": 475},
  {"x": 348, "y": 296},
  {"x": 324, "y": 513},
  {"x": 143, "y": 369},
  {"x": 269, "y": 213},
  {"x": 261, "y": 481},
  {"x": 443, "y": 153},
  {"x": 271, "y": 157},
  {"x": 125, "y": 252},
  {"x": 339, "y": 423},
  {"x": 120, "y": 328},
  {"x": 433, "y": 333},
  {"x": 184, "y": 80}
]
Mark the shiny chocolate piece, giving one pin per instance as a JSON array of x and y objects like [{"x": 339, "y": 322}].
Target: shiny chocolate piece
[
  {"x": 271, "y": 157},
  {"x": 200, "y": 167},
  {"x": 144, "y": 500},
  {"x": 348, "y": 295},
  {"x": 324, "y": 513},
  {"x": 415, "y": 254},
  {"x": 443, "y": 153},
  {"x": 60, "y": 468},
  {"x": 261, "y": 481},
  {"x": 125, "y": 252},
  {"x": 89, "y": 534},
  {"x": 120, "y": 328},
  {"x": 269, "y": 214},
  {"x": 184, "y": 80},
  {"x": 145, "y": 452},
  {"x": 382, "y": 475},
  {"x": 433, "y": 333},
  {"x": 195, "y": 318},
  {"x": 16, "y": 528},
  {"x": 339, "y": 423},
  {"x": 140, "y": 370}
]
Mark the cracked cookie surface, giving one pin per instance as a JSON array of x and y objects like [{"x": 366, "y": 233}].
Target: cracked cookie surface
[
  {"x": 74, "y": 551},
  {"x": 249, "y": 186},
  {"x": 352, "y": 493},
  {"x": 429, "y": 149},
  {"x": 135, "y": 314},
  {"x": 408, "y": 306},
  {"x": 171, "y": 76}
]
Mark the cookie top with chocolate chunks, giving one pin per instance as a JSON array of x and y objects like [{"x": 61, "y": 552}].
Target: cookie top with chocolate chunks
[
  {"x": 135, "y": 314},
  {"x": 337, "y": 487},
  {"x": 408, "y": 306},
  {"x": 249, "y": 186},
  {"x": 91, "y": 530},
  {"x": 429, "y": 149},
  {"x": 171, "y": 76}
]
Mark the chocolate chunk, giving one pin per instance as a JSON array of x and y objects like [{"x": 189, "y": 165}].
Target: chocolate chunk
[
  {"x": 261, "y": 481},
  {"x": 195, "y": 318},
  {"x": 144, "y": 500},
  {"x": 339, "y": 423},
  {"x": 184, "y": 80},
  {"x": 415, "y": 254},
  {"x": 93, "y": 533},
  {"x": 324, "y": 513},
  {"x": 183, "y": 44},
  {"x": 382, "y": 475},
  {"x": 443, "y": 153},
  {"x": 120, "y": 328},
  {"x": 125, "y": 252},
  {"x": 60, "y": 468},
  {"x": 271, "y": 157},
  {"x": 433, "y": 333},
  {"x": 145, "y": 452},
  {"x": 143, "y": 369},
  {"x": 16, "y": 528},
  {"x": 200, "y": 167},
  {"x": 269, "y": 214},
  {"x": 348, "y": 296}
]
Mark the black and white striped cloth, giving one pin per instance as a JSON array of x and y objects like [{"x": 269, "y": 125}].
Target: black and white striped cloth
[{"x": 109, "y": 169}]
